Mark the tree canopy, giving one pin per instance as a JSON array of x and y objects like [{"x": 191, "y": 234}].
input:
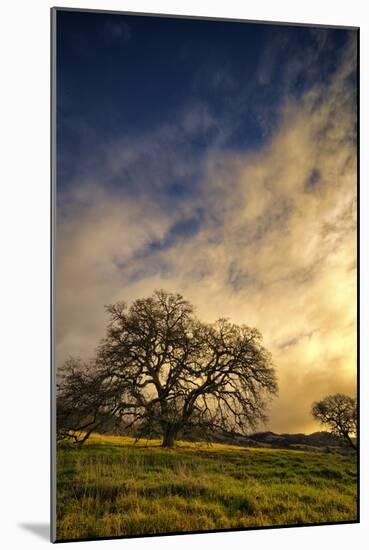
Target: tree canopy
[
  {"x": 159, "y": 370},
  {"x": 339, "y": 413}
]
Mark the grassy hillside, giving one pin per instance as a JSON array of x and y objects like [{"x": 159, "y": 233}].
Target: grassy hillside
[{"x": 110, "y": 487}]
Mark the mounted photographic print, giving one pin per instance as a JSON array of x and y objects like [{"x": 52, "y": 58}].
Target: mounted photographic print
[{"x": 204, "y": 275}]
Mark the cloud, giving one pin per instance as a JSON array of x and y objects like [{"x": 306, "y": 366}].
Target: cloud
[{"x": 266, "y": 238}]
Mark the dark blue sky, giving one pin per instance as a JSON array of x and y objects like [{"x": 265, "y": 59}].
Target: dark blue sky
[{"x": 171, "y": 89}]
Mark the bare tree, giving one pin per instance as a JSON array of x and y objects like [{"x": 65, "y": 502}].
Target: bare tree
[
  {"x": 86, "y": 400},
  {"x": 164, "y": 371},
  {"x": 339, "y": 413}
]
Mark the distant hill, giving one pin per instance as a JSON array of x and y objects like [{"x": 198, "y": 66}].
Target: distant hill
[
  {"x": 284, "y": 441},
  {"x": 316, "y": 439}
]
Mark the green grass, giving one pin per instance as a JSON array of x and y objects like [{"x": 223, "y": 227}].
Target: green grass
[{"x": 110, "y": 487}]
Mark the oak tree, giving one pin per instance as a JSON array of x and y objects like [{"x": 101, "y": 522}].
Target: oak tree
[
  {"x": 339, "y": 413},
  {"x": 159, "y": 370}
]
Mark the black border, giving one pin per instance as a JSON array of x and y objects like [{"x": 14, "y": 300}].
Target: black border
[
  {"x": 53, "y": 149},
  {"x": 204, "y": 18},
  {"x": 358, "y": 270},
  {"x": 53, "y": 146},
  {"x": 210, "y": 531}
]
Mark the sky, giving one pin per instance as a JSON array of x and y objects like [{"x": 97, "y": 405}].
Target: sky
[{"x": 215, "y": 159}]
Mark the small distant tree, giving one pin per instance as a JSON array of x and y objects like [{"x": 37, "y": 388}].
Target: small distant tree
[
  {"x": 162, "y": 371},
  {"x": 339, "y": 413}
]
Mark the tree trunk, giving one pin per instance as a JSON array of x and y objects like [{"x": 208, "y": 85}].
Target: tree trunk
[
  {"x": 351, "y": 443},
  {"x": 169, "y": 438}
]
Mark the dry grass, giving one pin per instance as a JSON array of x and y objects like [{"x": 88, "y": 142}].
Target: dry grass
[{"x": 111, "y": 487}]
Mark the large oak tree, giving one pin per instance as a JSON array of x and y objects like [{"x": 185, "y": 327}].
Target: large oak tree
[{"x": 160, "y": 370}]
